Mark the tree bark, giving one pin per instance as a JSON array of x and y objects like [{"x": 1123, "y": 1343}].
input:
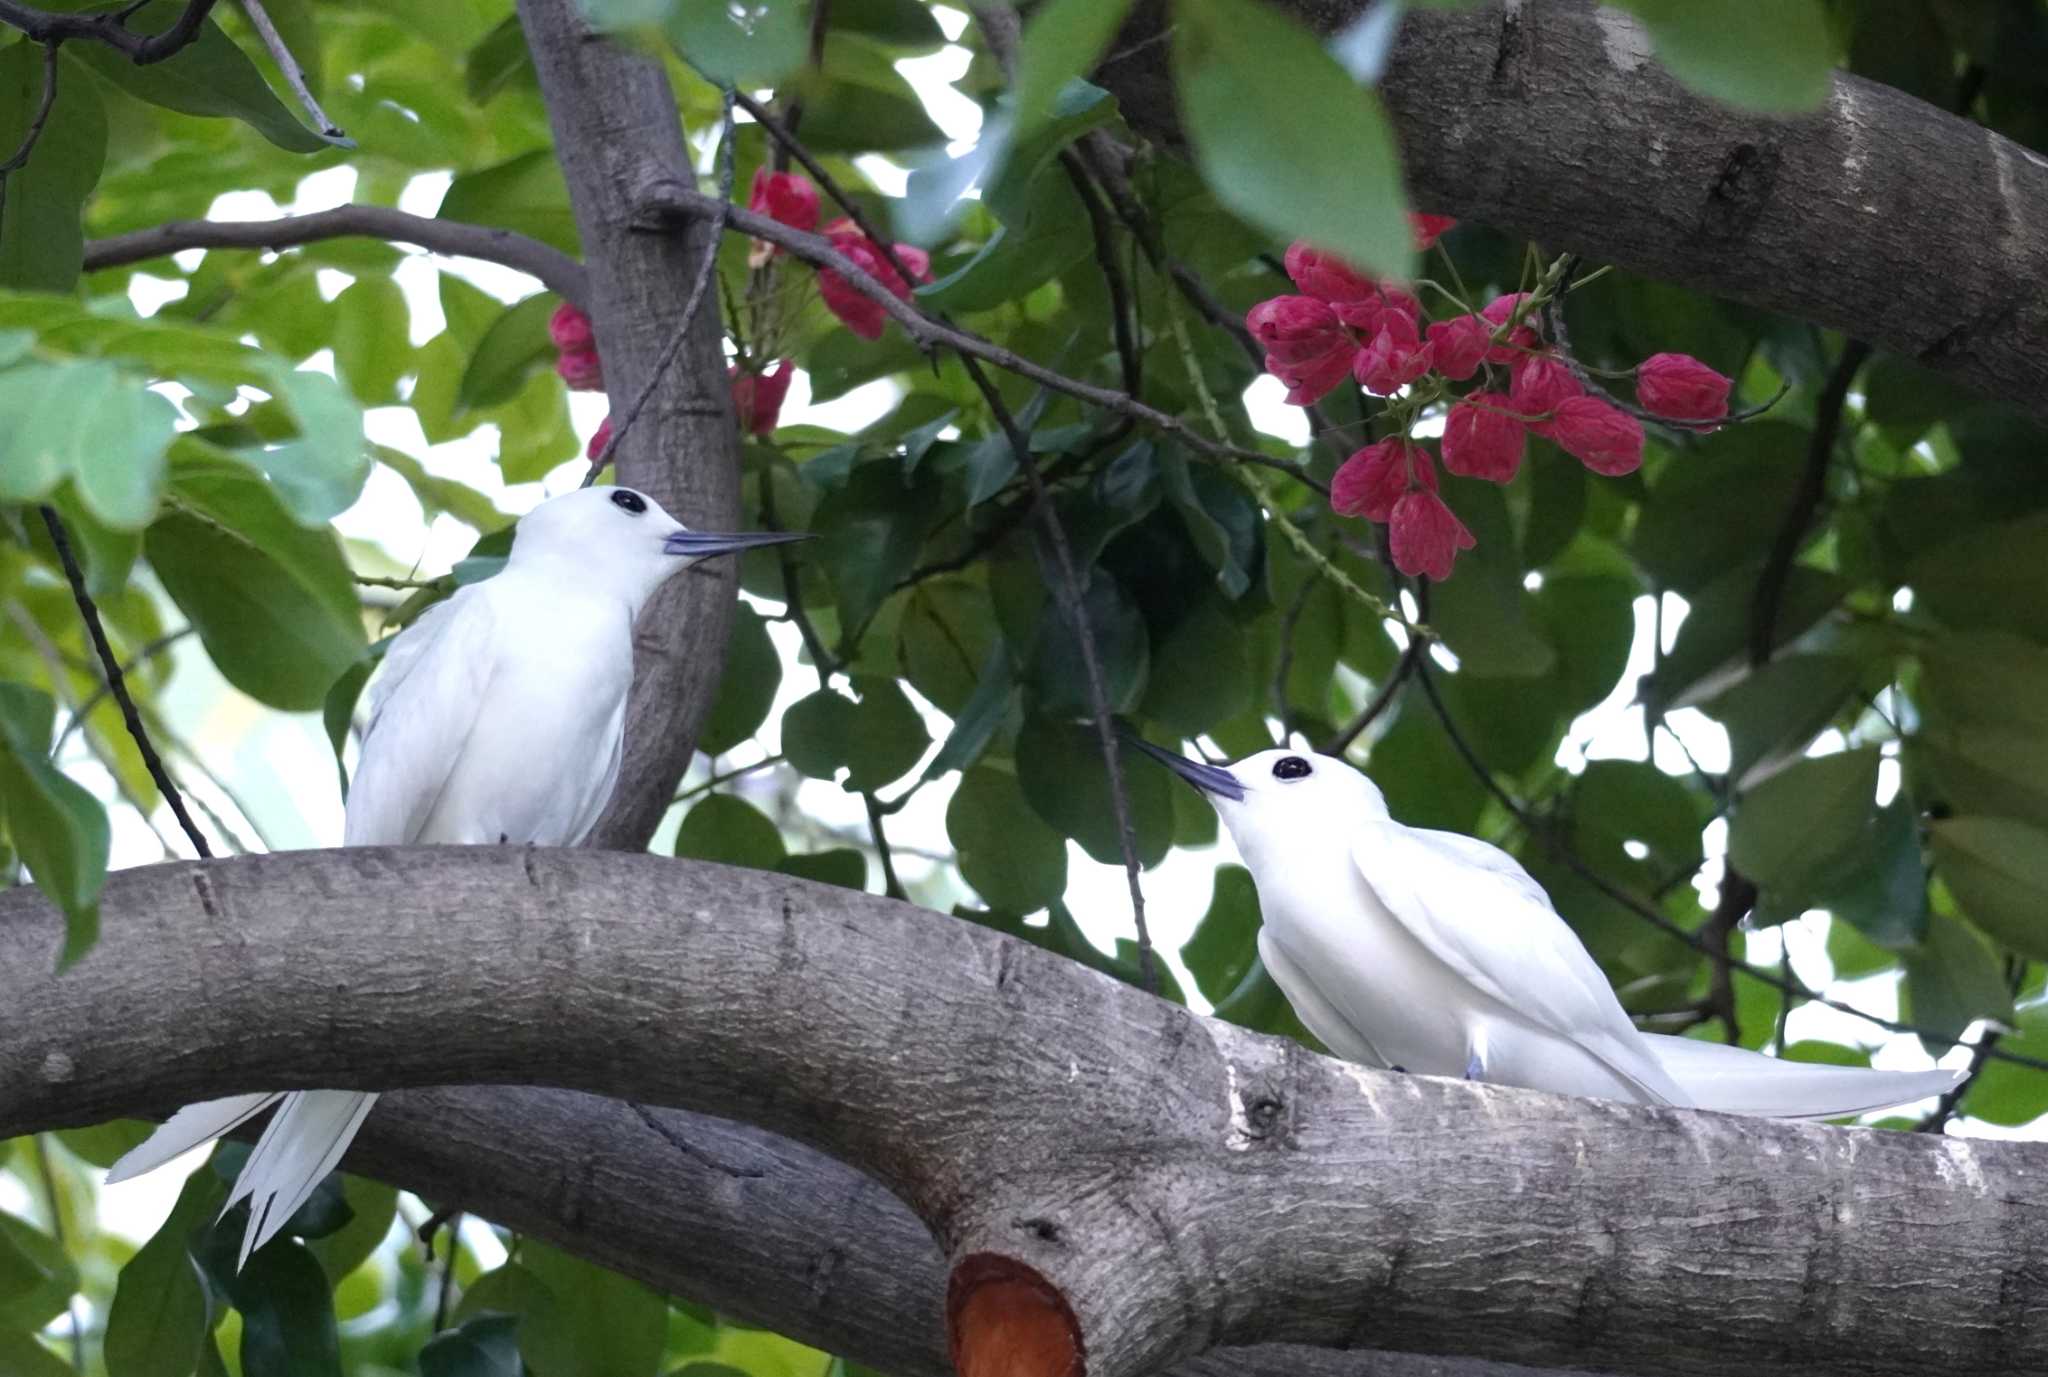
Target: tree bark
[
  {"x": 1899, "y": 224},
  {"x": 620, "y": 143},
  {"x": 1115, "y": 1184}
]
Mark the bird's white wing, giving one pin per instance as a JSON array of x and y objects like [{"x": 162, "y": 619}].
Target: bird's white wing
[
  {"x": 1477, "y": 911},
  {"x": 423, "y": 705}
]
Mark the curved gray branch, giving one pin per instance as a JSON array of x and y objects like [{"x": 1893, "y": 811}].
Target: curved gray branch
[
  {"x": 557, "y": 271},
  {"x": 1115, "y": 1181},
  {"x": 619, "y": 141},
  {"x": 1901, "y": 225}
]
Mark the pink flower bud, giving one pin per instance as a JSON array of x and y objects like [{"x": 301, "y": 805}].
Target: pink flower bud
[
  {"x": 757, "y": 397},
  {"x": 599, "y": 439},
  {"x": 1396, "y": 357},
  {"x": 860, "y": 314},
  {"x": 785, "y": 197},
  {"x": 1305, "y": 346},
  {"x": 1495, "y": 314},
  {"x": 1429, "y": 228},
  {"x": 581, "y": 369},
  {"x": 1425, "y": 536},
  {"x": 1460, "y": 343},
  {"x": 1679, "y": 387},
  {"x": 1604, "y": 439},
  {"x": 570, "y": 329},
  {"x": 1481, "y": 442},
  {"x": 1370, "y": 482},
  {"x": 1324, "y": 275},
  {"x": 1541, "y": 381}
]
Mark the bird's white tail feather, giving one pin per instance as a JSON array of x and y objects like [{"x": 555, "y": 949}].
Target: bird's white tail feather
[
  {"x": 187, "y": 1129},
  {"x": 298, "y": 1148},
  {"x": 1737, "y": 1081}
]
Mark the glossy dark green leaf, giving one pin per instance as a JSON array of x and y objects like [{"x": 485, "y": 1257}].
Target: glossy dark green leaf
[
  {"x": 753, "y": 673},
  {"x": 1625, "y": 800},
  {"x": 980, "y": 717},
  {"x": 943, "y": 639},
  {"x": 1776, "y": 712},
  {"x": 209, "y": 76},
  {"x": 1877, "y": 884},
  {"x": 1785, "y": 827},
  {"x": 487, "y": 1346},
  {"x": 161, "y": 1316},
  {"x": 728, "y": 829},
  {"x": 596, "y": 1324},
  {"x": 516, "y": 343},
  {"x": 889, "y": 735},
  {"x": 1221, "y": 518},
  {"x": 817, "y": 731},
  {"x": 1702, "y": 514},
  {"x": 1998, "y": 870},
  {"x": 288, "y": 1327},
  {"x": 1425, "y": 781},
  {"x": 1224, "y": 946},
  {"x": 1060, "y": 767},
  {"x": 41, "y": 241},
  {"x": 57, "y": 828},
  {"x": 1953, "y": 979},
  {"x": 1285, "y": 137},
  {"x": 1200, "y": 673},
  {"x": 1012, "y": 859},
  {"x": 1769, "y": 55},
  {"x": 842, "y": 866},
  {"x": 37, "y": 1280},
  {"x": 870, "y": 531},
  {"x": 1058, "y": 671}
]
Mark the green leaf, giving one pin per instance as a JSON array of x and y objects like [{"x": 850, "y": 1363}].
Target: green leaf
[
  {"x": 2005, "y": 1092},
  {"x": 1059, "y": 766},
  {"x": 319, "y": 472},
  {"x": 36, "y": 1279},
  {"x": 1953, "y": 979},
  {"x": 1616, "y": 801},
  {"x": 272, "y": 601},
  {"x": 889, "y": 735},
  {"x": 1992, "y": 678},
  {"x": 210, "y": 76},
  {"x": 486, "y": 1346},
  {"x": 1224, "y": 522},
  {"x": 817, "y": 731},
  {"x": 755, "y": 46},
  {"x": 1058, "y": 673},
  {"x": 943, "y": 639},
  {"x": 499, "y": 58},
  {"x": 371, "y": 348},
  {"x": 1201, "y": 674},
  {"x": 1785, "y": 827},
  {"x": 372, "y": 1206},
  {"x": 1769, "y": 55},
  {"x": 287, "y": 1311},
  {"x": 22, "y": 1356},
  {"x": 84, "y": 419},
  {"x": 859, "y": 102},
  {"x": 1041, "y": 234},
  {"x": 58, "y": 829},
  {"x": 1061, "y": 42},
  {"x": 753, "y": 673},
  {"x": 1702, "y": 514},
  {"x": 979, "y": 718},
  {"x": 903, "y": 23},
  {"x": 596, "y": 1323},
  {"x": 1012, "y": 859},
  {"x": 842, "y": 866},
  {"x": 870, "y": 531},
  {"x": 515, "y": 342},
  {"x": 41, "y": 241},
  {"x": 732, "y": 831},
  {"x": 1998, "y": 870},
  {"x": 104, "y": 1144},
  {"x": 526, "y": 194},
  {"x": 1224, "y": 947},
  {"x": 1775, "y": 713},
  {"x": 1968, "y": 583},
  {"x": 1988, "y": 770},
  {"x": 1286, "y": 138},
  {"x": 1712, "y": 650},
  {"x": 1421, "y": 774},
  {"x": 160, "y": 1316},
  {"x": 1877, "y": 884}
]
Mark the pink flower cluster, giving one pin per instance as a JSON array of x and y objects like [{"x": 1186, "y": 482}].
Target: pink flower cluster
[
  {"x": 1344, "y": 323},
  {"x": 792, "y": 200},
  {"x": 756, "y": 397}
]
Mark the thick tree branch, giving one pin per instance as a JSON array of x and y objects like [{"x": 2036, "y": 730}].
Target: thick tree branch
[
  {"x": 43, "y": 26},
  {"x": 560, "y": 273},
  {"x": 1878, "y": 215},
  {"x": 1176, "y": 1183},
  {"x": 620, "y": 143}
]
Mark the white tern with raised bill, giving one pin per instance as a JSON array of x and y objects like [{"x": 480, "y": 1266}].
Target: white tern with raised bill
[
  {"x": 1435, "y": 953},
  {"x": 498, "y": 717}
]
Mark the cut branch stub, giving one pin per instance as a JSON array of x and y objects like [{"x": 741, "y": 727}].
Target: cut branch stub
[{"x": 1178, "y": 1184}]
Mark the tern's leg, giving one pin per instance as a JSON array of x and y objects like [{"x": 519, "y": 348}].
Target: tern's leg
[{"x": 1475, "y": 1070}]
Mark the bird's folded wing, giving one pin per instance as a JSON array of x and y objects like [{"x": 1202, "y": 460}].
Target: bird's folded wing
[
  {"x": 1477, "y": 911},
  {"x": 423, "y": 705}
]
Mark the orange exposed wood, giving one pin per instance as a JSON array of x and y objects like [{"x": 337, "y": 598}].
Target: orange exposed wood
[{"x": 1007, "y": 1321}]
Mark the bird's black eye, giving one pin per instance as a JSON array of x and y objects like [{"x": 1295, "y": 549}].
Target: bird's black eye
[
  {"x": 1291, "y": 767},
  {"x": 628, "y": 500}
]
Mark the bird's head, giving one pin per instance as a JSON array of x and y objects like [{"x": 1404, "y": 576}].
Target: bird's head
[
  {"x": 622, "y": 539},
  {"x": 1279, "y": 799}
]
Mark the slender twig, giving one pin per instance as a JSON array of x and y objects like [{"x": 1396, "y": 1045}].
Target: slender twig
[
  {"x": 447, "y": 1292},
  {"x": 668, "y": 204},
  {"x": 294, "y": 76},
  {"x": 1806, "y": 500},
  {"x": 117, "y": 682},
  {"x": 558, "y": 272},
  {"x": 891, "y": 886},
  {"x": 707, "y": 268},
  {"x": 1738, "y": 896},
  {"x": 380, "y": 581},
  {"x": 728, "y": 777},
  {"x": 1663, "y": 922},
  {"x": 110, "y": 29},
  {"x": 1128, "y": 357},
  {"x": 1381, "y": 701}
]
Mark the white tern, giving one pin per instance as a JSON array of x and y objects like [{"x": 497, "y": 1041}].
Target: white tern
[
  {"x": 498, "y": 717},
  {"x": 1435, "y": 953}
]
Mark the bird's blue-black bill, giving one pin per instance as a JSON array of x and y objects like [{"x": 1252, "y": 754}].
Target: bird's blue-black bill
[
  {"x": 705, "y": 544},
  {"x": 1210, "y": 779}
]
